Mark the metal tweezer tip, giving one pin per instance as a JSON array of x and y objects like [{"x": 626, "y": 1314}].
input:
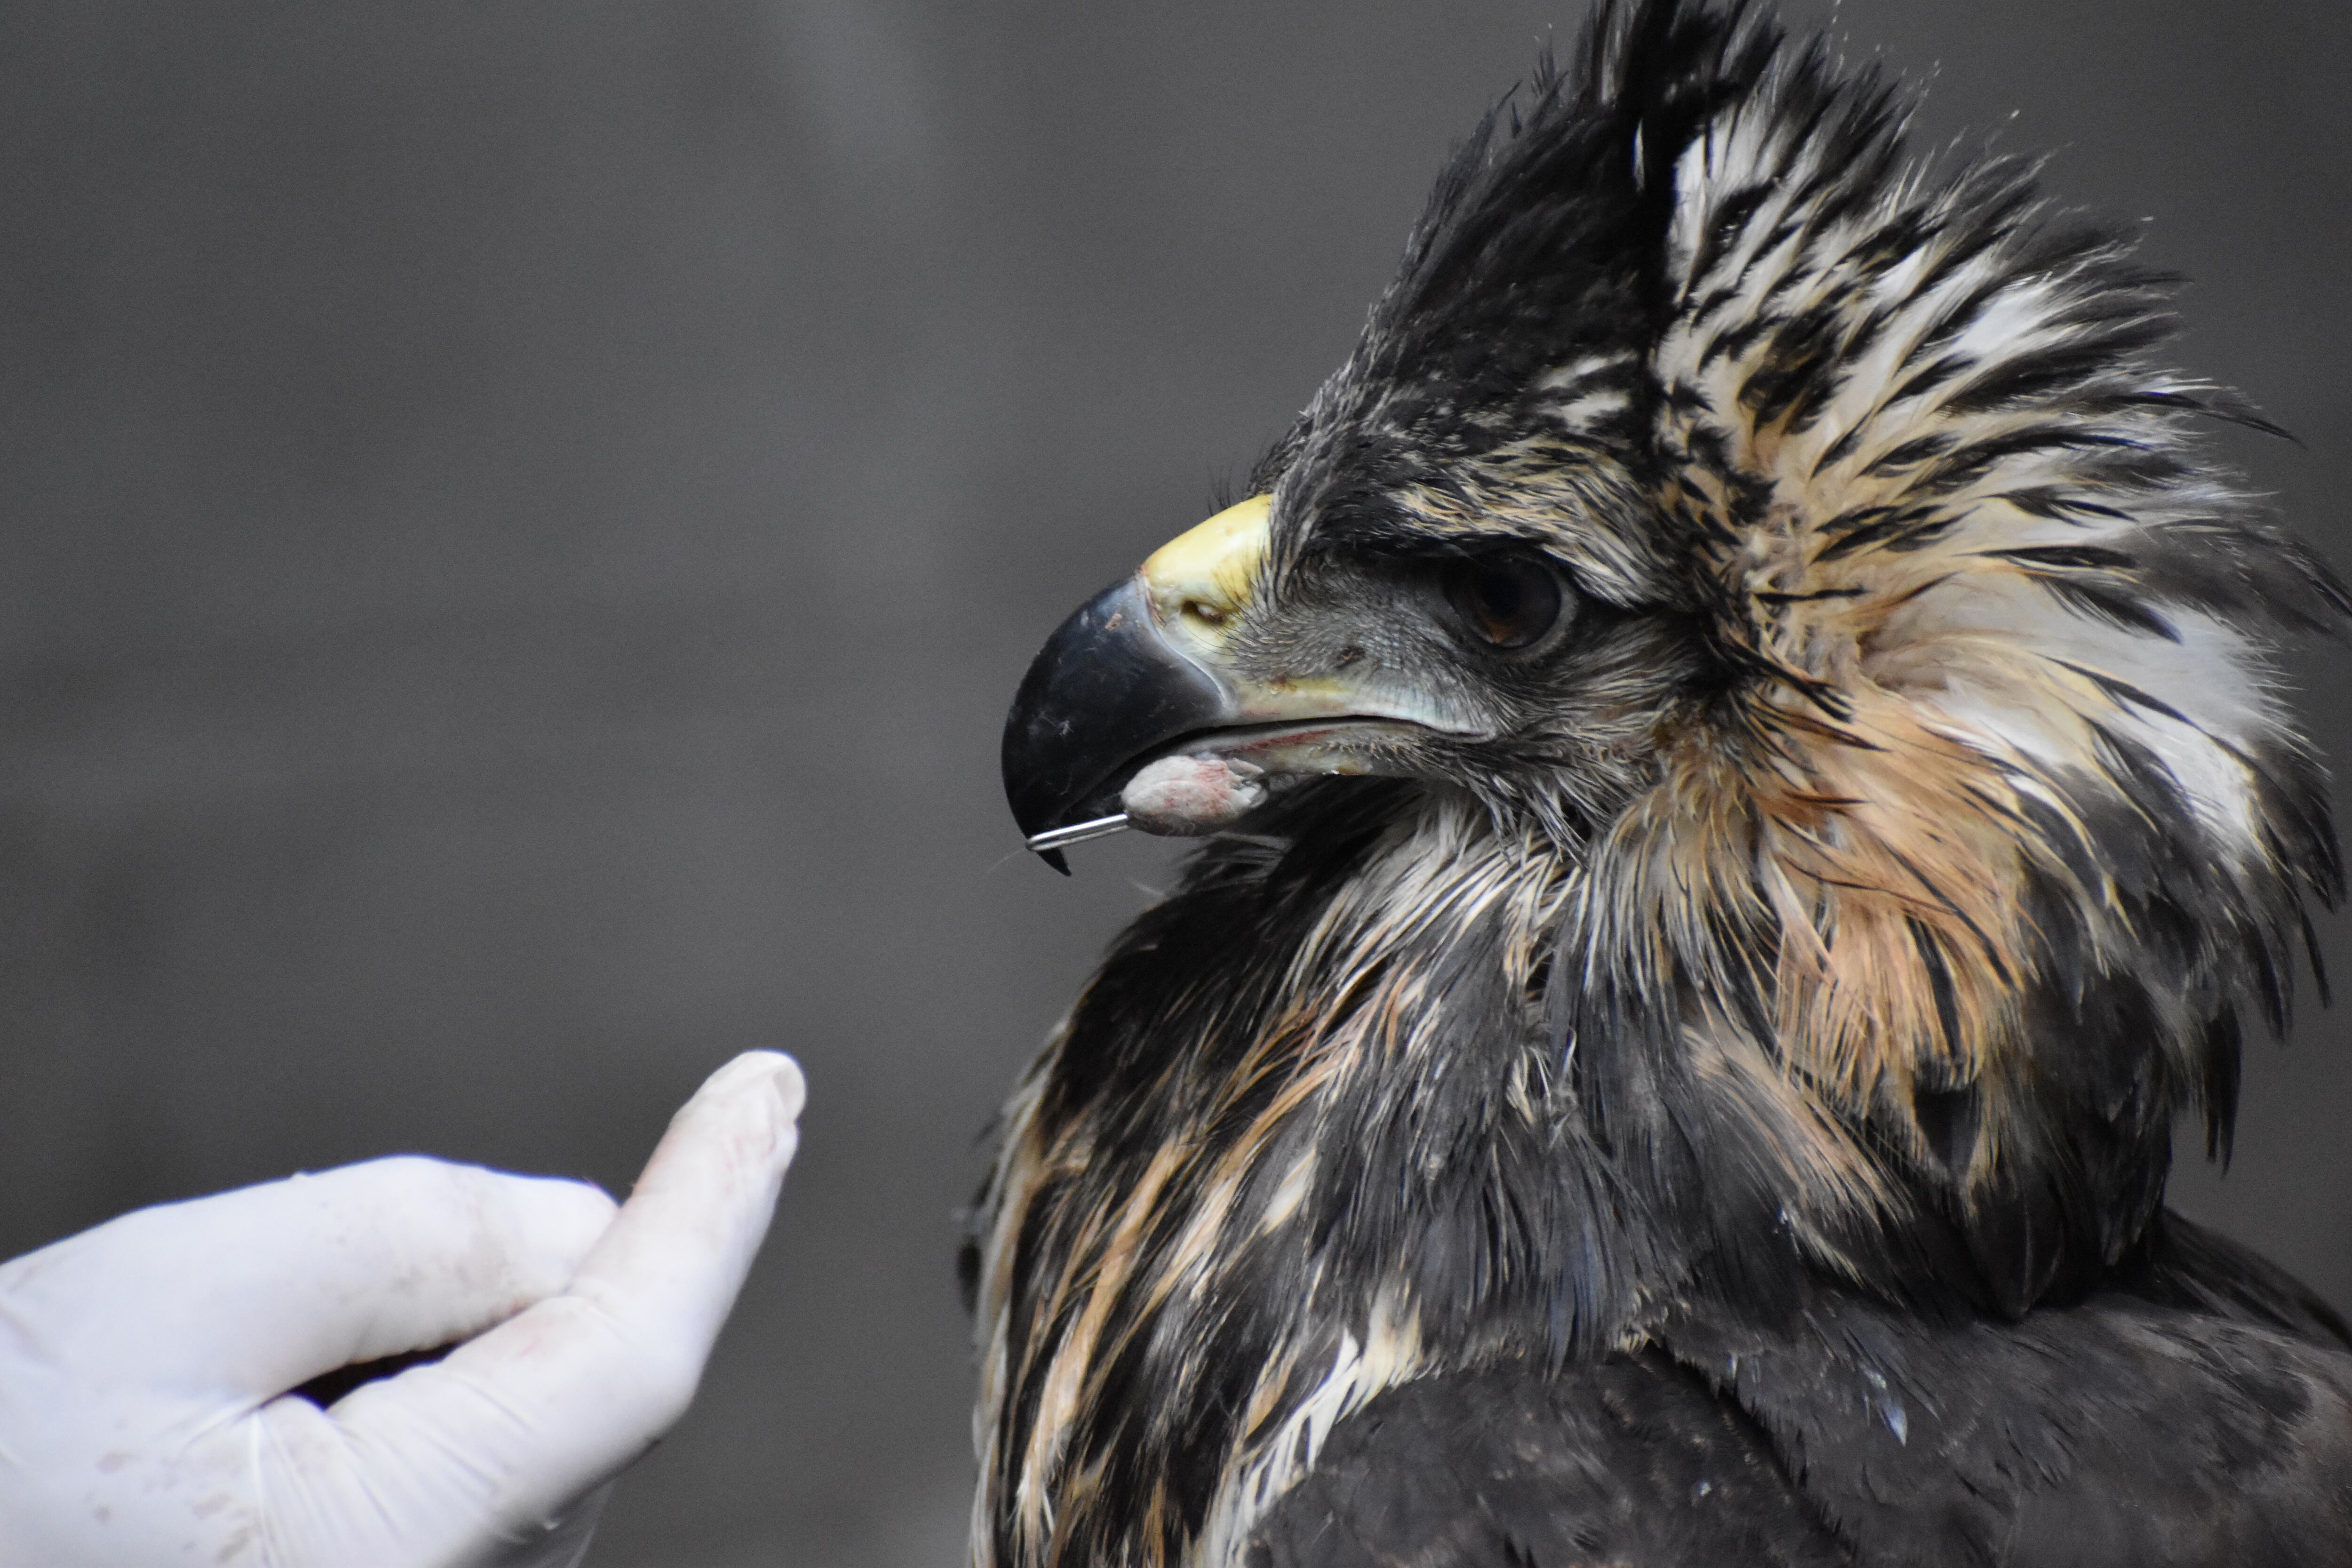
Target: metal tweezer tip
[{"x": 1077, "y": 833}]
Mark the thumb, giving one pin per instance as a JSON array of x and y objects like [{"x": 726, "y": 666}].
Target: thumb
[{"x": 545, "y": 1405}]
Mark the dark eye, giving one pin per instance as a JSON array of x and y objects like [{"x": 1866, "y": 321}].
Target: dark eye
[{"x": 1505, "y": 601}]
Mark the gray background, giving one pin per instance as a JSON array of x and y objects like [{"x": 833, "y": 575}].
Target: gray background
[{"x": 520, "y": 522}]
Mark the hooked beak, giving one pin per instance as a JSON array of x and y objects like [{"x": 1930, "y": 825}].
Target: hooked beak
[{"x": 1144, "y": 671}]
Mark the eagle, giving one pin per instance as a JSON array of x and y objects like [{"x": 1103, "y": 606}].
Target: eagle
[{"x": 1743, "y": 789}]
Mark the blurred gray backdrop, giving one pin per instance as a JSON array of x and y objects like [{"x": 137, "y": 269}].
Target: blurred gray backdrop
[{"x": 521, "y": 521}]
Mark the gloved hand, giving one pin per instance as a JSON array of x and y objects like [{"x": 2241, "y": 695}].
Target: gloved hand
[{"x": 144, "y": 1365}]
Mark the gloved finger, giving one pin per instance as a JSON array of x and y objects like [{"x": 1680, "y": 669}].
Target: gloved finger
[
  {"x": 561, "y": 1543},
  {"x": 247, "y": 1294},
  {"x": 547, "y": 1406},
  {"x": 672, "y": 1262}
]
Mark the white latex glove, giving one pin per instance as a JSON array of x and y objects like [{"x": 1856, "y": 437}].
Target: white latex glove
[{"x": 144, "y": 1365}]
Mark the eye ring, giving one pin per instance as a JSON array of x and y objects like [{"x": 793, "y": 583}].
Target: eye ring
[{"x": 1509, "y": 603}]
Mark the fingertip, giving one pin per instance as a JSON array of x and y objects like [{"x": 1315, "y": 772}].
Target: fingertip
[
  {"x": 531, "y": 1232},
  {"x": 778, "y": 1071},
  {"x": 766, "y": 1086},
  {"x": 791, "y": 1084},
  {"x": 680, "y": 1246},
  {"x": 493, "y": 1236},
  {"x": 561, "y": 1216}
]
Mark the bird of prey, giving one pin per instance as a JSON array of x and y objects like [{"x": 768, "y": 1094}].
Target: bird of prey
[{"x": 1744, "y": 788}]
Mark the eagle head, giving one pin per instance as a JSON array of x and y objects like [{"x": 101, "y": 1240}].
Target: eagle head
[{"x": 1737, "y": 738}]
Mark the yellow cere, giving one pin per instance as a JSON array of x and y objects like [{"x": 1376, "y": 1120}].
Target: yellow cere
[{"x": 1201, "y": 579}]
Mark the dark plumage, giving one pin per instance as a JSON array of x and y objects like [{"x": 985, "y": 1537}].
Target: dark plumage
[{"x": 1707, "y": 1097}]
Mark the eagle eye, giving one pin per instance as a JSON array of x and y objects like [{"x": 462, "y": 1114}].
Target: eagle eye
[{"x": 1506, "y": 602}]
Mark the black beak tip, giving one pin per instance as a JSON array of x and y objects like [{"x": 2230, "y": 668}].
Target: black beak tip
[{"x": 1105, "y": 689}]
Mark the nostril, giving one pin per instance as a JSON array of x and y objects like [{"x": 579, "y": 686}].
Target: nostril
[
  {"x": 1209, "y": 614},
  {"x": 1350, "y": 656}
]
